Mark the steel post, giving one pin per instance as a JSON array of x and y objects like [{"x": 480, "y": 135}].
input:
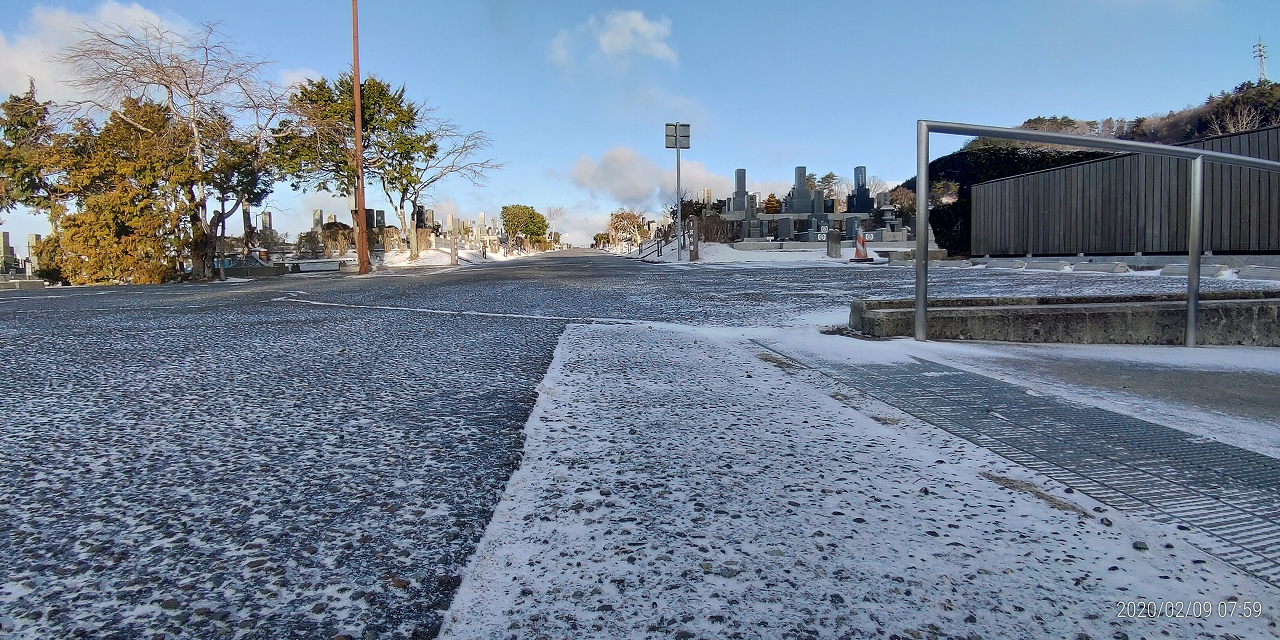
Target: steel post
[
  {"x": 679, "y": 198},
  {"x": 1193, "y": 248},
  {"x": 922, "y": 229}
]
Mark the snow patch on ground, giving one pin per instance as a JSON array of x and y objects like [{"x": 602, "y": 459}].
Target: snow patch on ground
[
  {"x": 1000, "y": 361},
  {"x": 440, "y": 257},
  {"x": 717, "y": 253},
  {"x": 683, "y": 481},
  {"x": 720, "y": 254},
  {"x": 1207, "y": 358}
]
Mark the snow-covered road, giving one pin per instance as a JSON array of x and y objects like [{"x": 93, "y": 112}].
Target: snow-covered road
[{"x": 686, "y": 483}]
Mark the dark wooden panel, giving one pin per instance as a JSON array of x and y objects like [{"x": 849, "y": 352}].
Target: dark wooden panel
[
  {"x": 1139, "y": 191},
  {"x": 1133, "y": 203},
  {"x": 1179, "y": 195},
  {"x": 1162, "y": 203},
  {"x": 1131, "y": 183},
  {"x": 1211, "y": 230}
]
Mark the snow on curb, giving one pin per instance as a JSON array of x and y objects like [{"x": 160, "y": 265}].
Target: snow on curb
[{"x": 684, "y": 482}]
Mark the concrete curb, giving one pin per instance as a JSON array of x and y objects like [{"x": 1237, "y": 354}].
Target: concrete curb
[{"x": 1225, "y": 318}]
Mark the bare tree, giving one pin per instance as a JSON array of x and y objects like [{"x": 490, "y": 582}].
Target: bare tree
[
  {"x": 196, "y": 76},
  {"x": 843, "y": 187},
  {"x": 904, "y": 200},
  {"x": 554, "y": 214},
  {"x": 877, "y": 185},
  {"x": 1238, "y": 118},
  {"x": 627, "y": 224},
  {"x": 407, "y": 178}
]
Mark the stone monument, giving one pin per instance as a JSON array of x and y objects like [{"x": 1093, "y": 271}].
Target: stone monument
[
  {"x": 8, "y": 259},
  {"x": 744, "y": 207},
  {"x": 859, "y": 199},
  {"x": 33, "y": 261},
  {"x": 803, "y": 203}
]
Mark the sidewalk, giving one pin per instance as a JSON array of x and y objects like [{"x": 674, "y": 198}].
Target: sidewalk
[{"x": 713, "y": 489}]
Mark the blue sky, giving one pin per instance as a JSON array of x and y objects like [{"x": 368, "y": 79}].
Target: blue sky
[{"x": 574, "y": 94}]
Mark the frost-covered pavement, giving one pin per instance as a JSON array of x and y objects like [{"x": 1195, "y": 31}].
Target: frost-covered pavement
[
  {"x": 238, "y": 471},
  {"x": 706, "y": 488},
  {"x": 311, "y": 456}
]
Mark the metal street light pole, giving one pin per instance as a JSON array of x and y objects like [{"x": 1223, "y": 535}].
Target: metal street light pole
[{"x": 362, "y": 233}]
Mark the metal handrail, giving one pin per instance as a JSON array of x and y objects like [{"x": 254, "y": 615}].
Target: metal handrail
[
  {"x": 1196, "y": 156},
  {"x": 640, "y": 252},
  {"x": 658, "y": 244}
]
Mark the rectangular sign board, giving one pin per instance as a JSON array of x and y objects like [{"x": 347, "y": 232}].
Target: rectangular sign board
[{"x": 677, "y": 135}]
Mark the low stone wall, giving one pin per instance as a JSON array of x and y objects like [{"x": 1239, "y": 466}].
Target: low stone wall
[
  {"x": 257, "y": 272},
  {"x": 1235, "y": 318},
  {"x": 1141, "y": 262},
  {"x": 21, "y": 284}
]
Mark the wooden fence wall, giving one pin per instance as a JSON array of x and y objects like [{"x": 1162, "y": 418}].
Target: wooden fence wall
[{"x": 1131, "y": 203}]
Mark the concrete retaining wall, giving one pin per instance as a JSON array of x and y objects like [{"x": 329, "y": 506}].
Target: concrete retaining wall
[
  {"x": 1236, "y": 318},
  {"x": 21, "y": 284},
  {"x": 257, "y": 272}
]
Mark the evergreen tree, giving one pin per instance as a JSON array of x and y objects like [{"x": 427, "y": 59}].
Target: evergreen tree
[
  {"x": 521, "y": 219},
  {"x": 130, "y": 183},
  {"x": 772, "y": 204}
]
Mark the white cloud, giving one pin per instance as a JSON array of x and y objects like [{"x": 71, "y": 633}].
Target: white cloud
[
  {"x": 446, "y": 206},
  {"x": 628, "y": 178},
  {"x": 620, "y": 174},
  {"x": 558, "y": 52},
  {"x": 581, "y": 222},
  {"x": 625, "y": 32},
  {"x": 290, "y": 77},
  {"x": 29, "y": 54},
  {"x": 616, "y": 40}
]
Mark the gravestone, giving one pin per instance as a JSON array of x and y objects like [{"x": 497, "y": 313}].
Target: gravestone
[
  {"x": 8, "y": 258},
  {"x": 739, "y": 201},
  {"x": 800, "y": 200},
  {"x": 785, "y": 229},
  {"x": 33, "y": 262},
  {"x": 859, "y": 199},
  {"x": 833, "y": 243}
]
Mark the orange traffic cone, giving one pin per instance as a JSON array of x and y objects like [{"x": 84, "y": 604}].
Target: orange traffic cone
[{"x": 860, "y": 249}]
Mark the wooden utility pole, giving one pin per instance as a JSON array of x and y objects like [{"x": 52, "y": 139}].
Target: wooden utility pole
[{"x": 362, "y": 231}]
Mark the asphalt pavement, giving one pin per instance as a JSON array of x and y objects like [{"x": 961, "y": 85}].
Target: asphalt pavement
[{"x": 316, "y": 455}]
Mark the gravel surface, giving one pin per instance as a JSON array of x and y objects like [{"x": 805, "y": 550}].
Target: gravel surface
[
  {"x": 318, "y": 455},
  {"x": 257, "y": 471}
]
